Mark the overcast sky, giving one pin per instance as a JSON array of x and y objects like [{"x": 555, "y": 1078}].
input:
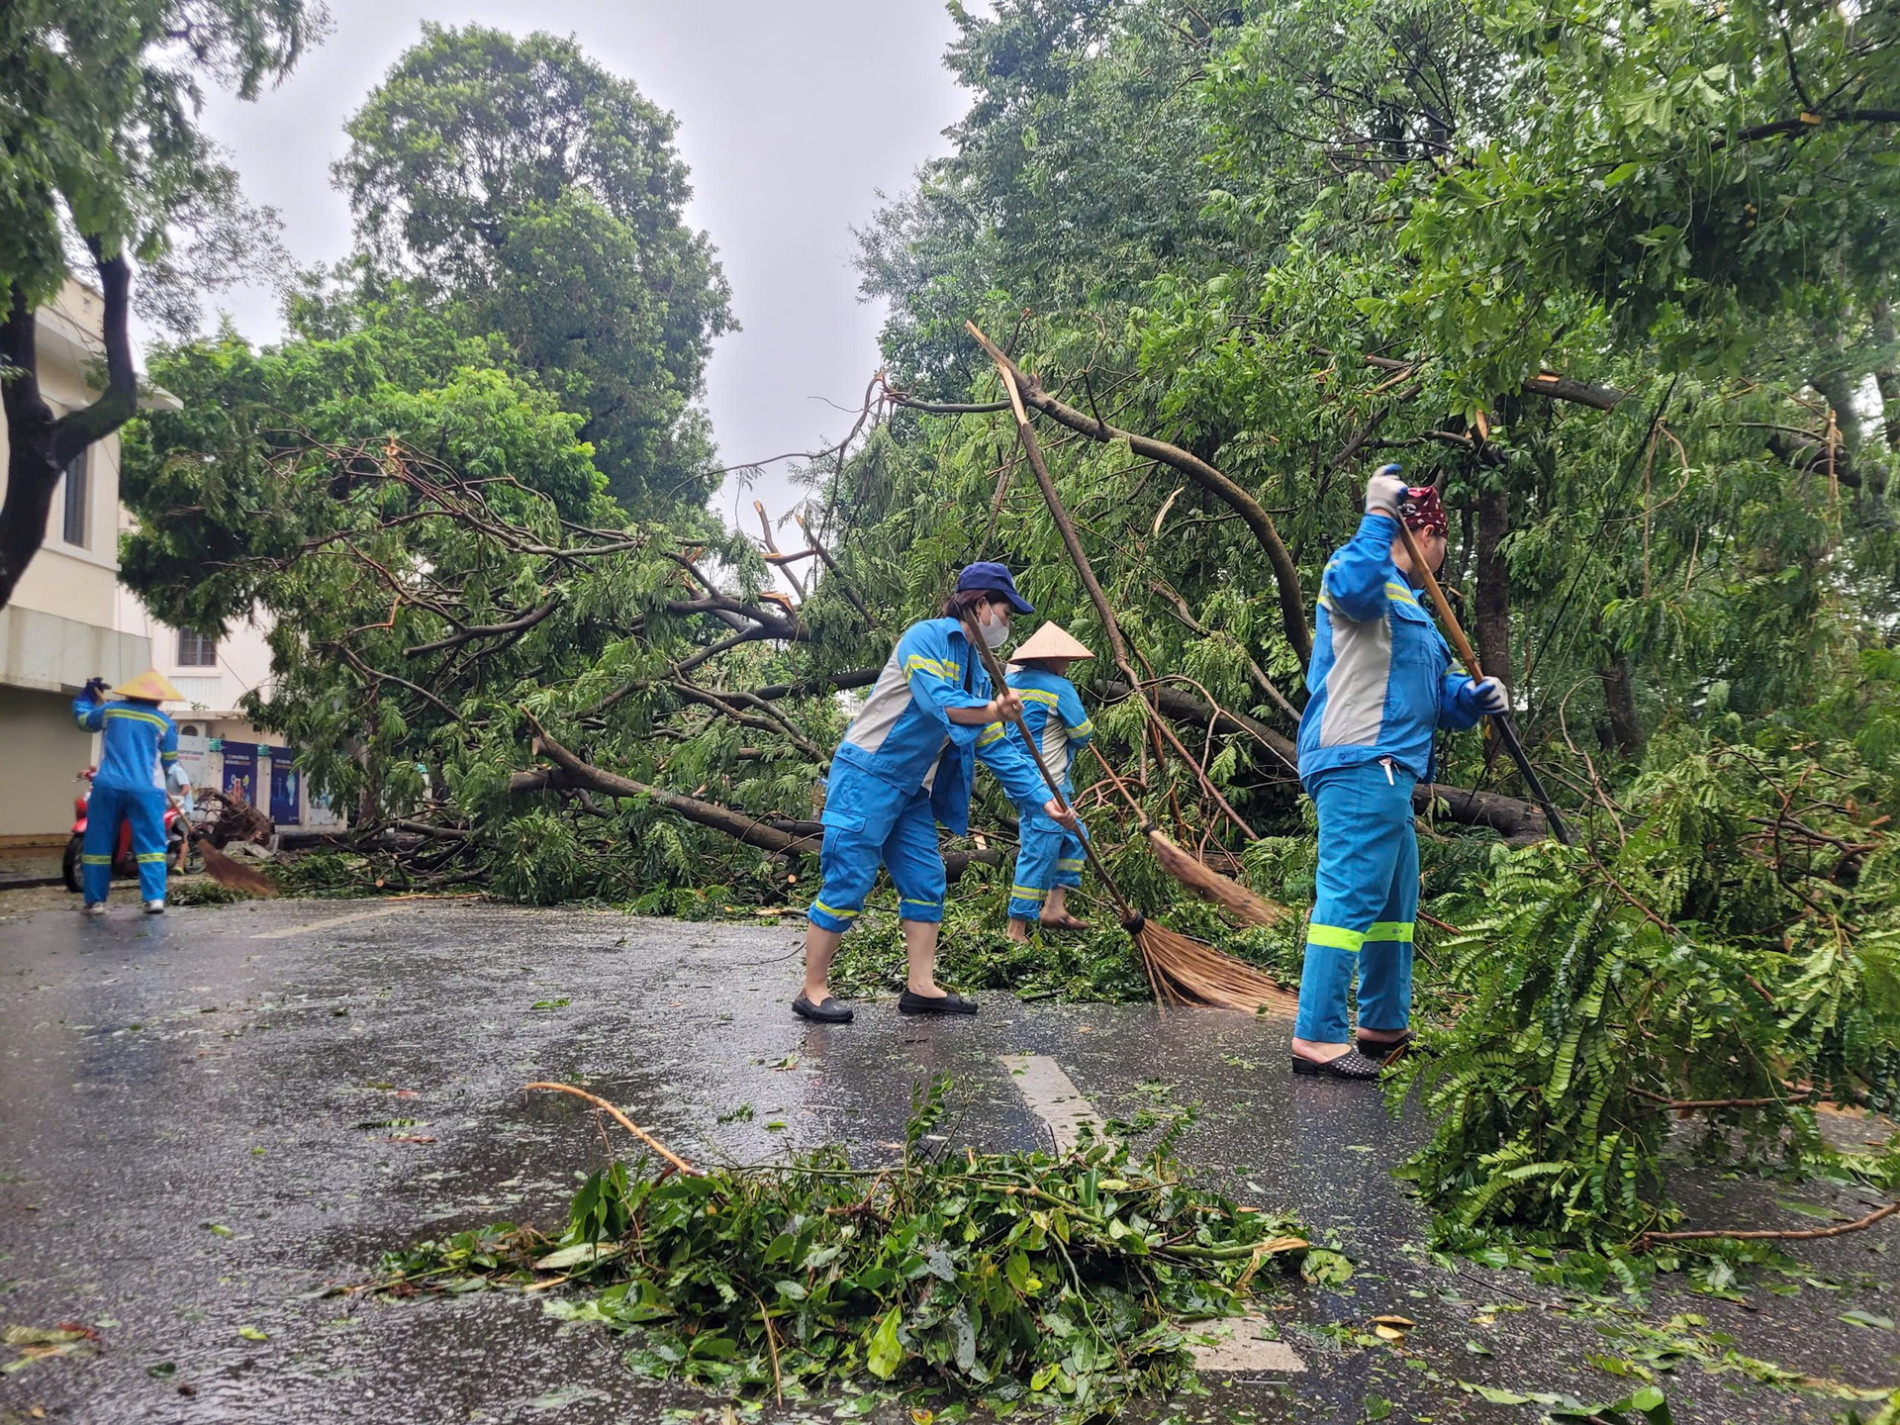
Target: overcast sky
[{"x": 792, "y": 115}]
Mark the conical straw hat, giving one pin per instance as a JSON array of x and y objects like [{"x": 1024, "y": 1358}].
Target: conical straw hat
[
  {"x": 150, "y": 686},
  {"x": 1051, "y": 641}
]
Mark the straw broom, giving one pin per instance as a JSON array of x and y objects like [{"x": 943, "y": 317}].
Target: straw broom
[
  {"x": 232, "y": 875},
  {"x": 1239, "y": 902},
  {"x": 1181, "y": 970}
]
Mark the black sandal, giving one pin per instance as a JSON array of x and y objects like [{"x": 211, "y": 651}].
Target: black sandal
[
  {"x": 1386, "y": 1051},
  {"x": 827, "y": 1011},
  {"x": 908, "y": 1003},
  {"x": 1349, "y": 1065}
]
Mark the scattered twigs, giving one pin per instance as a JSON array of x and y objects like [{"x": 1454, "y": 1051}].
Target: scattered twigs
[{"x": 679, "y": 1163}]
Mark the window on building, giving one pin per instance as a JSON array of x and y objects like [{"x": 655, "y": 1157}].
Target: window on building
[
  {"x": 78, "y": 497},
  {"x": 195, "y": 650}
]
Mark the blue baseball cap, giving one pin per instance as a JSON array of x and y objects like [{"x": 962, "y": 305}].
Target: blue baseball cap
[{"x": 995, "y": 579}]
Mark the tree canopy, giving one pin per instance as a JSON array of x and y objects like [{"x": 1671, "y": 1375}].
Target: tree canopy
[
  {"x": 544, "y": 197},
  {"x": 99, "y": 143}
]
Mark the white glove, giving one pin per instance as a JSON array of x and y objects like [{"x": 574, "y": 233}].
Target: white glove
[
  {"x": 1490, "y": 697},
  {"x": 1385, "y": 494}
]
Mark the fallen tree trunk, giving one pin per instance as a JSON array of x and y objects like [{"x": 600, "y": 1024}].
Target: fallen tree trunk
[
  {"x": 776, "y": 835},
  {"x": 1513, "y": 819}
]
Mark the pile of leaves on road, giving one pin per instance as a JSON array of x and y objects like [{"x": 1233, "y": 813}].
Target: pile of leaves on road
[
  {"x": 1011, "y": 1277},
  {"x": 1727, "y": 954}
]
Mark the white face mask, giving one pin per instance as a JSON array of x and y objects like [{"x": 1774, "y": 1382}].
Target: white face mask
[{"x": 995, "y": 632}]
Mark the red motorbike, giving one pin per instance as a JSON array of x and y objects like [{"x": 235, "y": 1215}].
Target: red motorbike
[{"x": 177, "y": 839}]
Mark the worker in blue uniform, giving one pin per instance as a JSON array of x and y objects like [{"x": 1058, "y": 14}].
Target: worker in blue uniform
[
  {"x": 1382, "y": 683},
  {"x": 907, "y": 764},
  {"x": 138, "y": 746},
  {"x": 1049, "y": 858}
]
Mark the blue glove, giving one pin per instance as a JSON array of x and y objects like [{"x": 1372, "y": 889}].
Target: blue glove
[{"x": 1488, "y": 696}]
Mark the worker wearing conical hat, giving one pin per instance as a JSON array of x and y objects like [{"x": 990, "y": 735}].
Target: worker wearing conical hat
[
  {"x": 1050, "y": 859},
  {"x": 138, "y": 745}
]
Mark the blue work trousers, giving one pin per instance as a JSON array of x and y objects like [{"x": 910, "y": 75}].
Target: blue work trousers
[
  {"x": 870, "y": 823},
  {"x": 144, "y": 807},
  {"x": 1366, "y": 904},
  {"x": 1049, "y": 855}
]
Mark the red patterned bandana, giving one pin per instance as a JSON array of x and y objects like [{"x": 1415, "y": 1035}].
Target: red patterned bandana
[{"x": 1424, "y": 510}]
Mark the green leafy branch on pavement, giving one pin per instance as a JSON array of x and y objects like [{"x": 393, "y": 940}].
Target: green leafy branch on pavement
[{"x": 1011, "y": 1277}]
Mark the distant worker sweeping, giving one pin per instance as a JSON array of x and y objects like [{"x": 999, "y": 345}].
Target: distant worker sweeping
[
  {"x": 907, "y": 763},
  {"x": 1382, "y": 683},
  {"x": 1050, "y": 859},
  {"x": 138, "y": 747}
]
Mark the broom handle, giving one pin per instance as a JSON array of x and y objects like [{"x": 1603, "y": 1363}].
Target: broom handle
[
  {"x": 991, "y": 667},
  {"x": 1506, "y": 731}
]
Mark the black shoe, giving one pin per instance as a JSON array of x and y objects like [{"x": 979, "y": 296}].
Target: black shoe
[
  {"x": 829, "y": 1011},
  {"x": 1386, "y": 1051},
  {"x": 1349, "y": 1065},
  {"x": 908, "y": 1003}
]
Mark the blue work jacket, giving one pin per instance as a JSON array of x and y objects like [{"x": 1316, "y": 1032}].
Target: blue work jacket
[
  {"x": 904, "y": 737},
  {"x": 139, "y": 744},
  {"x": 1055, "y": 717},
  {"x": 1381, "y": 677}
]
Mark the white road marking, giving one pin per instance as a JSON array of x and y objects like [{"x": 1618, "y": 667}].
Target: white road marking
[
  {"x": 1052, "y": 1097},
  {"x": 1242, "y": 1351},
  {"x": 1240, "y": 1347},
  {"x": 335, "y": 920}
]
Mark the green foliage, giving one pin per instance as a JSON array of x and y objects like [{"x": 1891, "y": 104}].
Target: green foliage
[
  {"x": 1738, "y": 950},
  {"x": 1015, "y": 1278},
  {"x": 99, "y": 133}
]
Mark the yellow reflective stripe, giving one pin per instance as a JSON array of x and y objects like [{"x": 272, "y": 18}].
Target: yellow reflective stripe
[
  {"x": 1336, "y": 937},
  {"x": 1400, "y": 930},
  {"x": 1084, "y": 728},
  {"x": 1066, "y": 865},
  {"x": 1036, "y": 695},
  {"x": 1401, "y": 593},
  {"x": 834, "y": 914},
  {"x": 917, "y": 661},
  {"x": 95, "y": 860},
  {"x": 153, "y": 718},
  {"x": 1027, "y": 893},
  {"x": 990, "y": 734},
  {"x": 912, "y": 900},
  {"x": 168, "y": 756},
  {"x": 151, "y": 856}
]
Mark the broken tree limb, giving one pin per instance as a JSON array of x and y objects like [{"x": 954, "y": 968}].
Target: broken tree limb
[
  {"x": 1546, "y": 383},
  {"x": 1512, "y": 819},
  {"x": 831, "y": 565},
  {"x": 1286, "y": 574},
  {"x": 1072, "y": 542},
  {"x": 625, "y": 1122},
  {"x": 709, "y": 814},
  {"x": 772, "y": 834},
  {"x": 1809, "y": 1234},
  {"x": 784, "y": 567}
]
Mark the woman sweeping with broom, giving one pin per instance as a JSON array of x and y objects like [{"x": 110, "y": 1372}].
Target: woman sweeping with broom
[
  {"x": 1382, "y": 683},
  {"x": 907, "y": 763}
]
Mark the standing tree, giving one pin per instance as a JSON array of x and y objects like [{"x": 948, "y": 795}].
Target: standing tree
[
  {"x": 99, "y": 142},
  {"x": 543, "y": 196}
]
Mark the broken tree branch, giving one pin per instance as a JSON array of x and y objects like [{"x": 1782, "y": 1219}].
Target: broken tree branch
[{"x": 1286, "y": 573}]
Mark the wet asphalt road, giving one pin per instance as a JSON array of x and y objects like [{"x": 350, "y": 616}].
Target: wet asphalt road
[{"x": 207, "y": 1118}]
